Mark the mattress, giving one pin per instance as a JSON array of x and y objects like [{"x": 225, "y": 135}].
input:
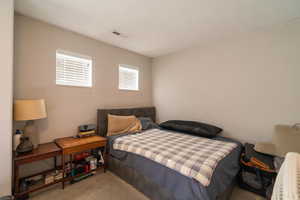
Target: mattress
[{"x": 176, "y": 185}]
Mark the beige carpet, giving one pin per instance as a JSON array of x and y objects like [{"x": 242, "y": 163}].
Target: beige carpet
[{"x": 107, "y": 186}]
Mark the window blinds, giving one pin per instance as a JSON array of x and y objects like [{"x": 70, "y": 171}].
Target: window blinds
[
  {"x": 128, "y": 78},
  {"x": 73, "y": 70}
]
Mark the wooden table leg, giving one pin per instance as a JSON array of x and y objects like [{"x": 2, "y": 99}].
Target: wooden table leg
[
  {"x": 55, "y": 163},
  {"x": 64, "y": 171},
  {"x": 71, "y": 163},
  {"x": 16, "y": 178},
  {"x": 105, "y": 159}
]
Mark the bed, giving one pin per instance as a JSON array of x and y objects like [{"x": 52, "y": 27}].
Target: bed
[{"x": 160, "y": 182}]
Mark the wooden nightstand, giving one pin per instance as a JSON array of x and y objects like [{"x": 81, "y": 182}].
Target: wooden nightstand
[
  {"x": 43, "y": 152},
  {"x": 71, "y": 145}
]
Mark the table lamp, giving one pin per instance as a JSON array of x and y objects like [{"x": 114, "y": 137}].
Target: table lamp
[{"x": 29, "y": 110}]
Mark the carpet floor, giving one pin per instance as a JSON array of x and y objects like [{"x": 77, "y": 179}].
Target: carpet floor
[{"x": 107, "y": 186}]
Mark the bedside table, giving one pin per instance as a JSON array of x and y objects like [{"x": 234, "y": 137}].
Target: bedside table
[
  {"x": 71, "y": 145},
  {"x": 43, "y": 152}
]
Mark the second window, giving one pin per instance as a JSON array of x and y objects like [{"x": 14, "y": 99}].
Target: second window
[{"x": 128, "y": 77}]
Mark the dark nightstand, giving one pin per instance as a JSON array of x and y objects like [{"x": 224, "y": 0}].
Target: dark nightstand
[{"x": 43, "y": 152}]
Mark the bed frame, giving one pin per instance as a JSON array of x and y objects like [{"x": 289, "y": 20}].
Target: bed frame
[{"x": 130, "y": 175}]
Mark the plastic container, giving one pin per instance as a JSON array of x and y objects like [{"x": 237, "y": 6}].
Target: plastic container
[{"x": 17, "y": 139}]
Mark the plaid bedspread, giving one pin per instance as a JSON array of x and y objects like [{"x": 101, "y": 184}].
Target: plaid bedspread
[{"x": 192, "y": 156}]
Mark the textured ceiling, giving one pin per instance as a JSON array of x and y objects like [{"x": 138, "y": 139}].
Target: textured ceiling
[{"x": 158, "y": 27}]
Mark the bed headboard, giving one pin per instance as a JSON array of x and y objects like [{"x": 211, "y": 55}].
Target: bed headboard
[{"x": 138, "y": 112}]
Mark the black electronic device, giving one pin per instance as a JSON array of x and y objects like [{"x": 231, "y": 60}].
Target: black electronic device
[
  {"x": 25, "y": 145},
  {"x": 87, "y": 130},
  {"x": 87, "y": 127}
]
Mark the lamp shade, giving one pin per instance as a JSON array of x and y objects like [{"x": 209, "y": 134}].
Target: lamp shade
[{"x": 29, "y": 109}]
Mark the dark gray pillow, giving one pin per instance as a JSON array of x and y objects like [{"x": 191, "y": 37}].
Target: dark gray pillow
[
  {"x": 191, "y": 127},
  {"x": 147, "y": 123}
]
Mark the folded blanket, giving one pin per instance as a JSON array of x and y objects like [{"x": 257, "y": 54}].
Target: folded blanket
[
  {"x": 122, "y": 124},
  {"x": 288, "y": 180}
]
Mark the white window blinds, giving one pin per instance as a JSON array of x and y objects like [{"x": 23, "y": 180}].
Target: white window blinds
[
  {"x": 128, "y": 77},
  {"x": 73, "y": 70}
]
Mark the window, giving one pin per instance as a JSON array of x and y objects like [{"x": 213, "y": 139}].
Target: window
[
  {"x": 128, "y": 77},
  {"x": 73, "y": 69}
]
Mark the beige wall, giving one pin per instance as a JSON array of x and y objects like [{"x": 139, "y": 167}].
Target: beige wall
[
  {"x": 6, "y": 84},
  {"x": 35, "y": 46},
  {"x": 245, "y": 85}
]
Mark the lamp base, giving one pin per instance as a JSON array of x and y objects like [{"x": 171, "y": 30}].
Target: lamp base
[{"x": 31, "y": 132}]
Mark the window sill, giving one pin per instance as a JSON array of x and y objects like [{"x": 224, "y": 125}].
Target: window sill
[
  {"x": 128, "y": 90},
  {"x": 75, "y": 86}
]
